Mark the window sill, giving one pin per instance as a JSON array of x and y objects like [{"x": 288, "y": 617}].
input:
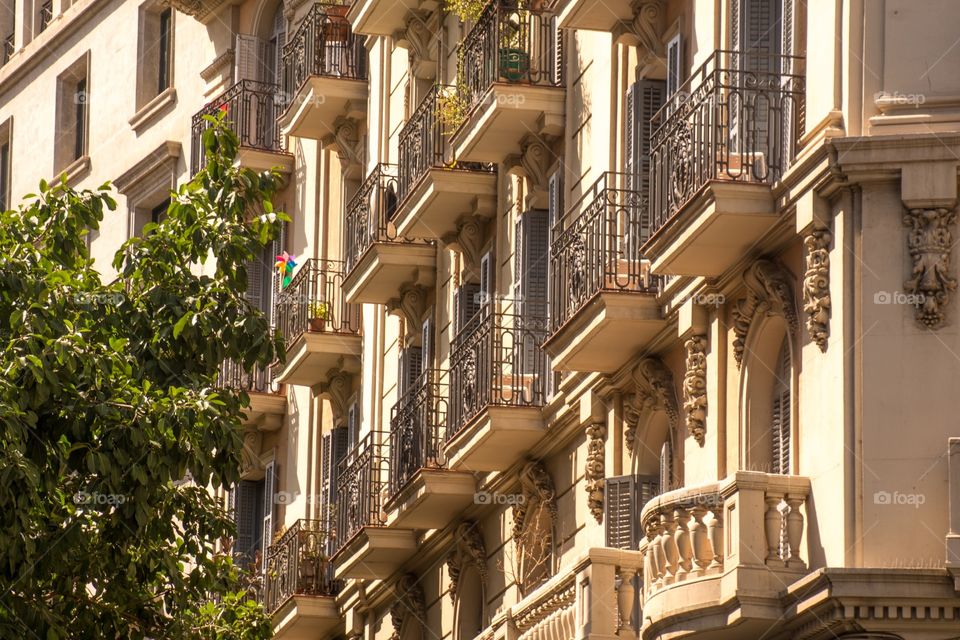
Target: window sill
[
  {"x": 74, "y": 171},
  {"x": 154, "y": 109}
]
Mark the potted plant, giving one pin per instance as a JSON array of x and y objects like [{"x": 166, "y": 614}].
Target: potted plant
[
  {"x": 451, "y": 108},
  {"x": 319, "y": 314},
  {"x": 514, "y": 58}
]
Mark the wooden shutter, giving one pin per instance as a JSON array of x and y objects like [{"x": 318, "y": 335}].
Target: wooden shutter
[
  {"x": 326, "y": 460},
  {"x": 466, "y": 301},
  {"x": 339, "y": 447},
  {"x": 666, "y": 464},
  {"x": 620, "y": 512},
  {"x": 269, "y": 506},
  {"x": 411, "y": 366},
  {"x": 279, "y": 39},
  {"x": 531, "y": 261},
  {"x": 486, "y": 278},
  {"x": 247, "y": 513},
  {"x": 426, "y": 343},
  {"x": 780, "y": 424},
  {"x": 353, "y": 424},
  {"x": 646, "y": 488},
  {"x": 674, "y": 64},
  {"x": 247, "y": 52}
]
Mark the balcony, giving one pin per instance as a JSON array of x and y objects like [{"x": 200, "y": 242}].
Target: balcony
[
  {"x": 364, "y": 548},
  {"x": 251, "y": 107},
  {"x": 731, "y": 546},
  {"x": 435, "y": 190},
  {"x": 718, "y": 145},
  {"x": 423, "y": 494},
  {"x": 320, "y": 329},
  {"x": 595, "y": 15},
  {"x": 510, "y": 81},
  {"x": 299, "y": 589},
  {"x": 267, "y": 402},
  {"x": 379, "y": 263},
  {"x": 324, "y": 74},
  {"x": 604, "y": 299},
  {"x": 499, "y": 378}
]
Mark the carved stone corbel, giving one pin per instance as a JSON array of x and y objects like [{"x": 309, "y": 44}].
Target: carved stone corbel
[
  {"x": 695, "y": 387},
  {"x": 930, "y": 244},
  {"x": 537, "y": 488},
  {"x": 337, "y": 389},
  {"x": 411, "y": 305},
  {"x": 409, "y": 607},
  {"x": 250, "y": 454},
  {"x": 468, "y": 551},
  {"x": 468, "y": 241},
  {"x": 768, "y": 293},
  {"x": 648, "y": 25},
  {"x": 417, "y": 37},
  {"x": 595, "y": 471},
  {"x": 346, "y": 135},
  {"x": 653, "y": 390},
  {"x": 816, "y": 286}
]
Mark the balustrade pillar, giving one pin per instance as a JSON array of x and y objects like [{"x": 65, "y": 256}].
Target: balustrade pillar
[
  {"x": 626, "y": 595},
  {"x": 669, "y": 542},
  {"x": 794, "y": 530},
  {"x": 772, "y": 522},
  {"x": 682, "y": 538},
  {"x": 701, "y": 542},
  {"x": 715, "y": 533}
]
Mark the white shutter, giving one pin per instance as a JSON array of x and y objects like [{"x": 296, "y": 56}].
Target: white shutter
[
  {"x": 426, "y": 342},
  {"x": 486, "y": 278},
  {"x": 674, "y": 64},
  {"x": 269, "y": 506},
  {"x": 780, "y": 423},
  {"x": 247, "y": 54}
]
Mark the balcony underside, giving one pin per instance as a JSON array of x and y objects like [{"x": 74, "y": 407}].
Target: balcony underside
[
  {"x": 440, "y": 197},
  {"x": 311, "y": 357},
  {"x": 261, "y": 160},
  {"x": 374, "y": 553},
  {"x": 385, "y": 267},
  {"x": 319, "y": 102},
  {"x": 595, "y": 15},
  {"x": 714, "y": 230},
  {"x": 305, "y": 618},
  {"x": 380, "y": 17},
  {"x": 495, "y": 439},
  {"x": 431, "y": 499},
  {"x": 506, "y": 115},
  {"x": 606, "y": 332},
  {"x": 266, "y": 411}
]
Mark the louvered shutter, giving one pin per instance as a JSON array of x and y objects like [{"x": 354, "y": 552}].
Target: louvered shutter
[
  {"x": 620, "y": 512},
  {"x": 340, "y": 446},
  {"x": 486, "y": 279},
  {"x": 411, "y": 366},
  {"x": 280, "y": 39},
  {"x": 426, "y": 343},
  {"x": 646, "y": 488},
  {"x": 533, "y": 232},
  {"x": 247, "y": 510},
  {"x": 644, "y": 99},
  {"x": 674, "y": 64},
  {"x": 631, "y": 136},
  {"x": 558, "y": 37},
  {"x": 269, "y": 505},
  {"x": 780, "y": 423},
  {"x": 467, "y": 303},
  {"x": 353, "y": 425},
  {"x": 326, "y": 460},
  {"x": 246, "y": 57},
  {"x": 761, "y": 35},
  {"x": 554, "y": 213}
]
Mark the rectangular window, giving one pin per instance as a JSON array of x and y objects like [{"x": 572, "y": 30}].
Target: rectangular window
[
  {"x": 163, "y": 45},
  {"x": 73, "y": 111}
]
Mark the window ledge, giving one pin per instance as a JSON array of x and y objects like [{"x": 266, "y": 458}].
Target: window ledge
[
  {"x": 74, "y": 171},
  {"x": 154, "y": 109}
]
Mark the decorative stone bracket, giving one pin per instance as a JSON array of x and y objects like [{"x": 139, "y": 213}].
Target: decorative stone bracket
[
  {"x": 653, "y": 390},
  {"x": 768, "y": 293},
  {"x": 409, "y": 608},
  {"x": 695, "y": 387},
  {"x": 595, "y": 471},
  {"x": 337, "y": 389},
  {"x": 930, "y": 244},
  {"x": 419, "y": 39},
  {"x": 468, "y": 551},
  {"x": 649, "y": 17},
  {"x": 816, "y": 285},
  {"x": 411, "y": 305},
  {"x": 468, "y": 241}
]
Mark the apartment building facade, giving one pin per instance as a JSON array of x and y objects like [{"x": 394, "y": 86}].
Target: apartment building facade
[{"x": 609, "y": 319}]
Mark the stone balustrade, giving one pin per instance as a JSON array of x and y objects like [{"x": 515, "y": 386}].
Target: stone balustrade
[{"x": 750, "y": 519}]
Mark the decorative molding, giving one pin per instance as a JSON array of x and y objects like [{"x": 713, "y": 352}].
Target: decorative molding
[
  {"x": 468, "y": 241},
  {"x": 409, "y": 607},
  {"x": 468, "y": 551},
  {"x": 653, "y": 390},
  {"x": 337, "y": 389},
  {"x": 418, "y": 38},
  {"x": 346, "y": 135},
  {"x": 695, "y": 387},
  {"x": 768, "y": 293},
  {"x": 535, "y": 159},
  {"x": 224, "y": 61},
  {"x": 930, "y": 243},
  {"x": 594, "y": 471},
  {"x": 647, "y": 25},
  {"x": 535, "y": 486},
  {"x": 533, "y": 536},
  {"x": 199, "y": 9},
  {"x": 816, "y": 286}
]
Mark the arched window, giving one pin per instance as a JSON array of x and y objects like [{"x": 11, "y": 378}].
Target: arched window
[
  {"x": 468, "y": 611},
  {"x": 781, "y": 405}
]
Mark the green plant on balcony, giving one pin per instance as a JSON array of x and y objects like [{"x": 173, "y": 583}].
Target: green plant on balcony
[
  {"x": 465, "y": 10},
  {"x": 514, "y": 59},
  {"x": 452, "y": 108},
  {"x": 319, "y": 314}
]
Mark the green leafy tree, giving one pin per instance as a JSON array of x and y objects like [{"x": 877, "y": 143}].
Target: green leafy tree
[{"x": 108, "y": 398}]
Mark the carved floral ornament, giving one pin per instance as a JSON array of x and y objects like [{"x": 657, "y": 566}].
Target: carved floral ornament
[
  {"x": 653, "y": 391},
  {"x": 816, "y": 286},
  {"x": 468, "y": 551},
  {"x": 409, "y": 607},
  {"x": 695, "y": 388},
  {"x": 648, "y": 24},
  {"x": 930, "y": 243},
  {"x": 768, "y": 293},
  {"x": 595, "y": 471},
  {"x": 534, "y": 518}
]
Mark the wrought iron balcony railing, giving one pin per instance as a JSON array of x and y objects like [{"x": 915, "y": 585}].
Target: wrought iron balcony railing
[
  {"x": 425, "y": 142},
  {"x": 508, "y": 43},
  {"x": 323, "y": 45},
  {"x": 738, "y": 117},
  {"x": 418, "y": 429},
  {"x": 370, "y": 211},
  {"x": 46, "y": 15},
  {"x": 314, "y": 301},
  {"x": 361, "y": 477},
  {"x": 298, "y": 564},
  {"x": 497, "y": 359},
  {"x": 233, "y": 376},
  {"x": 8, "y": 48},
  {"x": 596, "y": 247},
  {"x": 252, "y": 109}
]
